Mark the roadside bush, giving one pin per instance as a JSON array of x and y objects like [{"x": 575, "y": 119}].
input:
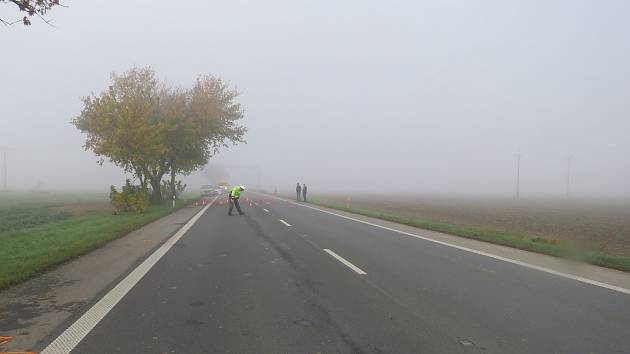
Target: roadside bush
[{"x": 132, "y": 198}]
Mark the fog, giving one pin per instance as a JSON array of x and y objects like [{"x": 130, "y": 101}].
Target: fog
[{"x": 419, "y": 97}]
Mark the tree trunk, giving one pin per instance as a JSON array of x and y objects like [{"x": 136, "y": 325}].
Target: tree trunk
[
  {"x": 156, "y": 194},
  {"x": 142, "y": 178},
  {"x": 143, "y": 182}
]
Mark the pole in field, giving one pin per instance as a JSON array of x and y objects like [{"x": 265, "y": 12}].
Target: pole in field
[
  {"x": 518, "y": 175},
  {"x": 568, "y": 176},
  {"x": 5, "y": 171}
]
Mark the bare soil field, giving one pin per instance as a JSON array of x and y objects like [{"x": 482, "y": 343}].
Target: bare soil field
[{"x": 601, "y": 224}]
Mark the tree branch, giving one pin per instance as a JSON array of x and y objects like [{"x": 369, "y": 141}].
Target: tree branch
[
  {"x": 9, "y": 23},
  {"x": 26, "y": 6},
  {"x": 48, "y": 22}
]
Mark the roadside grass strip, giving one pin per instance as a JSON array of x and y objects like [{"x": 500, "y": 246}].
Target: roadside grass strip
[{"x": 27, "y": 252}]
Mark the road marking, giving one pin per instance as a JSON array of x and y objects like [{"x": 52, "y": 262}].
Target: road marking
[
  {"x": 285, "y": 223},
  {"x": 509, "y": 260},
  {"x": 266, "y": 211},
  {"x": 344, "y": 261},
  {"x": 73, "y": 335}
]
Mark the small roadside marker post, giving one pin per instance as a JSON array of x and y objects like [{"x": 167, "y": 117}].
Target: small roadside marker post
[{"x": 173, "y": 202}]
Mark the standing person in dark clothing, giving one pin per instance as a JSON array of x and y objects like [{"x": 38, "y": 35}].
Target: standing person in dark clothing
[
  {"x": 298, "y": 190},
  {"x": 304, "y": 192}
]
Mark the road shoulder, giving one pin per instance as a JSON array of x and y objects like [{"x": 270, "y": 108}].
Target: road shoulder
[{"x": 34, "y": 311}]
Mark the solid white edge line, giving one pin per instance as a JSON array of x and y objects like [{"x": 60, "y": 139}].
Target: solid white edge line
[
  {"x": 284, "y": 222},
  {"x": 73, "y": 335},
  {"x": 266, "y": 211},
  {"x": 509, "y": 260},
  {"x": 344, "y": 261}
]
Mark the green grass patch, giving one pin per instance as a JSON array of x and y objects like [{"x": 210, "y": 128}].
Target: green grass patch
[
  {"x": 504, "y": 238},
  {"x": 22, "y": 218},
  {"x": 27, "y": 251},
  {"x": 27, "y": 199}
]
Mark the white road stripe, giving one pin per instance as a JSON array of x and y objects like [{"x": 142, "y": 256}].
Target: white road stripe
[
  {"x": 509, "y": 260},
  {"x": 266, "y": 211},
  {"x": 344, "y": 261},
  {"x": 284, "y": 222},
  {"x": 73, "y": 335}
]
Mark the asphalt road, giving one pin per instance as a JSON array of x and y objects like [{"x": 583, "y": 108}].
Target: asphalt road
[{"x": 289, "y": 279}]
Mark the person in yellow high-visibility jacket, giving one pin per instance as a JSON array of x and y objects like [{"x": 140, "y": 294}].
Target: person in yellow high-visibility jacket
[{"x": 235, "y": 194}]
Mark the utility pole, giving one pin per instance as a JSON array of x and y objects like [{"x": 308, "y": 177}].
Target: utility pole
[
  {"x": 568, "y": 176},
  {"x": 518, "y": 175},
  {"x": 5, "y": 171}
]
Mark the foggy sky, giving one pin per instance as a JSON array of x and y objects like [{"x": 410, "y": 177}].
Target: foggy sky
[{"x": 374, "y": 96}]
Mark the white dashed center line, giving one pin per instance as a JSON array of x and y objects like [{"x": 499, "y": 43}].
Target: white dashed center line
[
  {"x": 344, "y": 261},
  {"x": 266, "y": 211},
  {"x": 285, "y": 223}
]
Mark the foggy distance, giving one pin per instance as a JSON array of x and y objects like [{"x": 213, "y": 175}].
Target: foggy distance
[
  {"x": 432, "y": 97},
  {"x": 290, "y": 176}
]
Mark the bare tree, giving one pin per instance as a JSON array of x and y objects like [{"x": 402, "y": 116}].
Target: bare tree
[{"x": 29, "y": 8}]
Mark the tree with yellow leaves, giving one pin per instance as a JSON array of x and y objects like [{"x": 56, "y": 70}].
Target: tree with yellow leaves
[{"x": 151, "y": 129}]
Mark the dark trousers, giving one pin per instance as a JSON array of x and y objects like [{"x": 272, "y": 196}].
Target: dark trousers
[
  {"x": 298, "y": 196},
  {"x": 304, "y": 195},
  {"x": 233, "y": 202}
]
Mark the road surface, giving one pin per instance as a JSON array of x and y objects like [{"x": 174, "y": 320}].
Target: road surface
[{"x": 285, "y": 278}]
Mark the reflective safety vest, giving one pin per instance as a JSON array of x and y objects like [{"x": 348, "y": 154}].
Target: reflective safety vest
[{"x": 235, "y": 193}]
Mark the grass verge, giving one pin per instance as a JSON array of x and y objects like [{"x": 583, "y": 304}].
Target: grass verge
[
  {"x": 27, "y": 252},
  {"x": 504, "y": 238}
]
